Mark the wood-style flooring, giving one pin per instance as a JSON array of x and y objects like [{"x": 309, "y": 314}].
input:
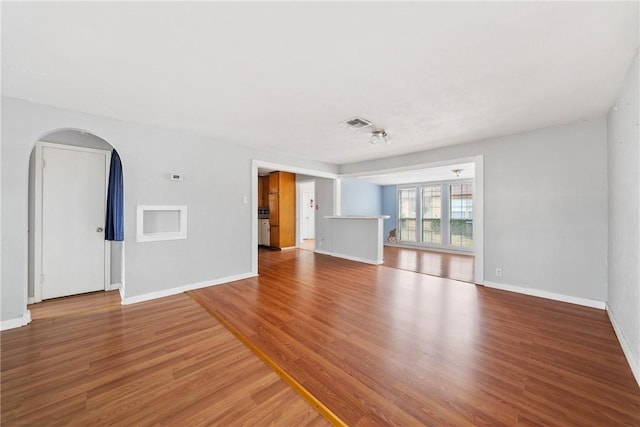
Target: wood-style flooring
[
  {"x": 308, "y": 244},
  {"x": 88, "y": 361},
  {"x": 441, "y": 264},
  {"x": 382, "y": 346}
]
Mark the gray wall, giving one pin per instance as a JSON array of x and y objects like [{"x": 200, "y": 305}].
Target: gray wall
[
  {"x": 78, "y": 139},
  {"x": 624, "y": 217},
  {"x": 545, "y": 206},
  {"x": 359, "y": 197},
  {"x": 326, "y": 206},
  {"x": 31, "y": 224},
  {"x": 217, "y": 176}
]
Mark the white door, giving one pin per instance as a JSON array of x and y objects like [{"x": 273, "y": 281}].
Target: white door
[
  {"x": 73, "y": 217},
  {"x": 308, "y": 217}
]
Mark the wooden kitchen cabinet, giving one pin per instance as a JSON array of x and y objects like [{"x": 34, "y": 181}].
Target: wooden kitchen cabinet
[
  {"x": 274, "y": 209},
  {"x": 282, "y": 209},
  {"x": 263, "y": 191},
  {"x": 274, "y": 235},
  {"x": 274, "y": 182}
]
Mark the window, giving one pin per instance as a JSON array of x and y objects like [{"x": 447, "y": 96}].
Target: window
[
  {"x": 407, "y": 214},
  {"x": 461, "y": 218},
  {"x": 436, "y": 214},
  {"x": 431, "y": 215}
]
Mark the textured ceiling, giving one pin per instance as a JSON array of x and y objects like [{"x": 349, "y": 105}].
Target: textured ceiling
[{"x": 281, "y": 76}]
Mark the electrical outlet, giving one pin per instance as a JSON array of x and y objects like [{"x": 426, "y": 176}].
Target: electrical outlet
[{"x": 498, "y": 272}]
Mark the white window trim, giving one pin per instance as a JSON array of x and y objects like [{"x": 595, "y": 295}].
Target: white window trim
[{"x": 445, "y": 215}]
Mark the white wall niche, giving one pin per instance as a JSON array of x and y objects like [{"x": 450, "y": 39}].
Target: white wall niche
[{"x": 160, "y": 222}]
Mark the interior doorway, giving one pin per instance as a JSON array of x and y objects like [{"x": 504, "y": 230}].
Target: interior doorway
[
  {"x": 306, "y": 212},
  {"x": 68, "y": 253}
]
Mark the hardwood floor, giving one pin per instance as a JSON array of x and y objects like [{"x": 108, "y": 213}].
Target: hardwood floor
[
  {"x": 441, "y": 264},
  {"x": 85, "y": 361},
  {"x": 86, "y": 303},
  {"x": 308, "y": 244},
  {"x": 382, "y": 346}
]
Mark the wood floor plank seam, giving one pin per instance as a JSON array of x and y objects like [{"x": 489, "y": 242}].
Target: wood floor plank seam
[
  {"x": 299, "y": 388},
  {"x": 476, "y": 356},
  {"x": 120, "y": 371}
]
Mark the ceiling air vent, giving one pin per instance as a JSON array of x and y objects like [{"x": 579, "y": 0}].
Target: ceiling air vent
[{"x": 356, "y": 123}]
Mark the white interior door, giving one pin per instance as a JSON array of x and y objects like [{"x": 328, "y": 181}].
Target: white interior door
[
  {"x": 308, "y": 211},
  {"x": 73, "y": 216}
]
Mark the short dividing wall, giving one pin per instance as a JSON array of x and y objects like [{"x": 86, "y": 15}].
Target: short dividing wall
[{"x": 358, "y": 238}]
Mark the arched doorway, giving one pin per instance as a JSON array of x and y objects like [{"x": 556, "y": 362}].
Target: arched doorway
[{"x": 68, "y": 254}]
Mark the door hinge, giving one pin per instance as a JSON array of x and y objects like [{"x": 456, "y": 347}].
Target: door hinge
[
  {"x": 42, "y": 163},
  {"x": 41, "y": 279}
]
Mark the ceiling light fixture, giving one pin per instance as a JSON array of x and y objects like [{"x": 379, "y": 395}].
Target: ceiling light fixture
[
  {"x": 379, "y": 136},
  {"x": 457, "y": 172}
]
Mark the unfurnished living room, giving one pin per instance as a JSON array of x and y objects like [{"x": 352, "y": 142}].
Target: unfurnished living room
[{"x": 320, "y": 213}]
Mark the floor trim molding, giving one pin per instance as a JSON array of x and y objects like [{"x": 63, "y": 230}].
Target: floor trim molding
[
  {"x": 546, "y": 294},
  {"x": 349, "y": 257},
  {"x": 185, "y": 288},
  {"x": 634, "y": 364},
  {"x": 299, "y": 388},
  {"x": 17, "y": 322}
]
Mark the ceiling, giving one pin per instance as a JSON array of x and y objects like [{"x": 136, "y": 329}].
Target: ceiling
[{"x": 282, "y": 76}]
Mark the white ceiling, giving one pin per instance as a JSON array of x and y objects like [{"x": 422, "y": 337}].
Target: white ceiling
[{"x": 281, "y": 76}]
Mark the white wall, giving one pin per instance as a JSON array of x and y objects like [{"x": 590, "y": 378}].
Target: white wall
[
  {"x": 624, "y": 217},
  {"x": 545, "y": 207},
  {"x": 217, "y": 176}
]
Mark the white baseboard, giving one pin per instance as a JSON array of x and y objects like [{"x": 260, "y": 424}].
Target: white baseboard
[
  {"x": 349, "y": 257},
  {"x": 185, "y": 288},
  {"x": 634, "y": 364},
  {"x": 358, "y": 259},
  {"x": 548, "y": 295},
  {"x": 320, "y": 251},
  {"x": 17, "y": 322},
  {"x": 114, "y": 286}
]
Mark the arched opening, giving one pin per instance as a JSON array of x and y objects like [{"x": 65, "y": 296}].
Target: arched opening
[{"x": 68, "y": 254}]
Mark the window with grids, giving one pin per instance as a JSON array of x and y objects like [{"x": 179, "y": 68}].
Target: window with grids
[
  {"x": 407, "y": 214},
  {"x": 461, "y": 215},
  {"x": 431, "y": 214},
  {"x": 437, "y": 214}
]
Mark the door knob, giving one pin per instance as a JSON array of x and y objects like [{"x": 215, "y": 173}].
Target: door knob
[{"x": 99, "y": 229}]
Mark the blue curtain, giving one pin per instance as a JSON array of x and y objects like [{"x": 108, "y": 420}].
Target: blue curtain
[{"x": 114, "y": 228}]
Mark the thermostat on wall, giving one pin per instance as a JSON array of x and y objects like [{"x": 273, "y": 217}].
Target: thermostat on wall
[{"x": 177, "y": 177}]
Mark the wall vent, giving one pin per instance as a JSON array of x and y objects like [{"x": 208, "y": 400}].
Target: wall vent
[{"x": 356, "y": 123}]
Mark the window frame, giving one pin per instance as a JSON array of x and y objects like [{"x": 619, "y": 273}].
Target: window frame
[
  {"x": 445, "y": 214},
  {"x": 417, "y": 228}
]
